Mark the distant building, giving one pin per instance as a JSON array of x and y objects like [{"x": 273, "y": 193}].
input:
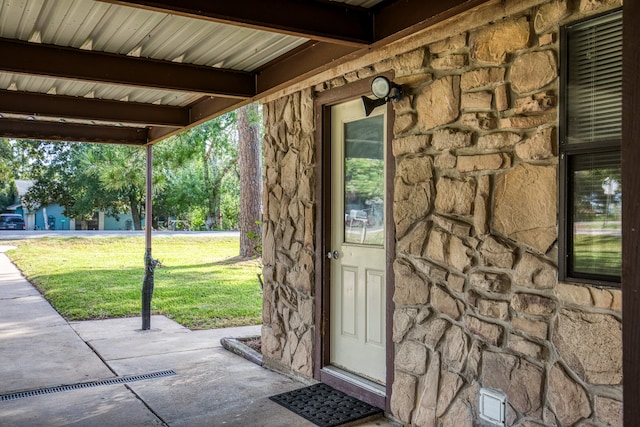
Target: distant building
[{"x": 51, "y": 217}]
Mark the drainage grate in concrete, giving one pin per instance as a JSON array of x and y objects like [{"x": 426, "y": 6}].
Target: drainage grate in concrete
[{"x": 90, "y": 384}]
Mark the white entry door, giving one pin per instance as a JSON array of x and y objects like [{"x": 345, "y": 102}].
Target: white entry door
[{"x": 358, "y": 276}]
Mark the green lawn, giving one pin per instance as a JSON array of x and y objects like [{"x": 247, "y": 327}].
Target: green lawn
[{"x": 201, "y": 283}]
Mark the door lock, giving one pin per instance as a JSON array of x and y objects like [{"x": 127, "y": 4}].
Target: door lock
[{"x": 333, "y": 255}]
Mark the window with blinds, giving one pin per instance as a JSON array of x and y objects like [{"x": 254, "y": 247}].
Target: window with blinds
[
  {"x": 594, "y": 80},
  {"x": 590, "y": 240}
]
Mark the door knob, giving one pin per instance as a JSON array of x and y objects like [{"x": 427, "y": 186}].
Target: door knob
[{"x": 333, "y": 255}]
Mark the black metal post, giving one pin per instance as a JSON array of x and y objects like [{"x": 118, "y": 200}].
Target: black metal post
[{"x": 149, "y": 262}]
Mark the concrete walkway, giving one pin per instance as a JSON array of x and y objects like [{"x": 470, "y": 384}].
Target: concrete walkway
[{"x": 211, "y": 386}]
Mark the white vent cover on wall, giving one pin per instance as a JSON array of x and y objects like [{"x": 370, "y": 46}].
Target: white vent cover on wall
[{"x": 492, "y": 406}]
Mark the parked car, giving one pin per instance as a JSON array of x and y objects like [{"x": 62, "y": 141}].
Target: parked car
[{"x": 12, "y": 222}]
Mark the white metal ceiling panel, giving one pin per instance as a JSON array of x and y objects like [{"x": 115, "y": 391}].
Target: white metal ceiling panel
[
  {"x": 124, "y": 30},
  {"x": 103, "y": 27},
  {"x": 77, "y": 88}
]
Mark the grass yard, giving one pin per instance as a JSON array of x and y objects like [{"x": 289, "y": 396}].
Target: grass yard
[{"x": 201, "y": 283}]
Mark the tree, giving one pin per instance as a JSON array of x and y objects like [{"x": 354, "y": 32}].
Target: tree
[
  {"x": 230, "y": 200},
  {"x": 195, "y": 176},
  {"x": 250, "y": 178},
  {"x": 61, "y": 176},
  {"x": 182, "y": 194},
  {"x": 121, "y": 171},
  {"x": 220, "y": 158},
  {"x": 50, "y": 166},
  {"x": 213, "y": 146},
  {"x": 7, "y": 184}
]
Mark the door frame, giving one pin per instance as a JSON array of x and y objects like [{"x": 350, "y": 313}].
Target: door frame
[{"x": 323, "y": 103}]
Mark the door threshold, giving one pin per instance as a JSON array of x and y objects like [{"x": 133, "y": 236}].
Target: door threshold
[
  {"x": 354, "y": 385},
  {"x": 356, "y": 380}
]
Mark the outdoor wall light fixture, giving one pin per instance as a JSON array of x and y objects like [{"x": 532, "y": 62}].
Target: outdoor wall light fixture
[{"x": 384, "y": 90}]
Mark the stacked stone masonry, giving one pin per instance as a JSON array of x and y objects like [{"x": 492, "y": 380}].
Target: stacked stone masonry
[{"x": 477, "y": 299}]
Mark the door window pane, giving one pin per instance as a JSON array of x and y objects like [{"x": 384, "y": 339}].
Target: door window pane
[{"x": 364, "y": 181}]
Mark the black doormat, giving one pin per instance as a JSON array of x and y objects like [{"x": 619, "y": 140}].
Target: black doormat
[{"x": 324, "y": 406}]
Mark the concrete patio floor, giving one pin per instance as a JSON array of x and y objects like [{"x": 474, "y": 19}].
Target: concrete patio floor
[{"x": 211, "y": 386}]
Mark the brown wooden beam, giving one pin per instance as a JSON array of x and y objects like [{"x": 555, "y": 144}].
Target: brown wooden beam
[
  {"x": 203, "y": 110},
  {"x": 208, "y": 107},
  {"x": 402, "y": 17},
  {"x": 52, "y": 131},
  {"x": 631, "y": 213},
  {"x": 49, "y": 60},
  {"x": 71, "y": 107},
  {"x": 332, "y": 22},
  {"x": 392, "y": 21},
  {"x": 311, "y": 58}
]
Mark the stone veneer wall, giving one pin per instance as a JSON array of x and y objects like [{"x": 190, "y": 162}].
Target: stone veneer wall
[
  {"x": 288, "y": 234},
  {"x": 478, "y": 303}
]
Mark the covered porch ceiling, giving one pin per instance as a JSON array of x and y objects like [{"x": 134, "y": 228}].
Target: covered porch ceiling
[{"x": 136, "y": 72}]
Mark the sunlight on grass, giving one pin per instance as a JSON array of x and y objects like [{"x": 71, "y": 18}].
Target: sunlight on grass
[{"x": 201, "y": 283}]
